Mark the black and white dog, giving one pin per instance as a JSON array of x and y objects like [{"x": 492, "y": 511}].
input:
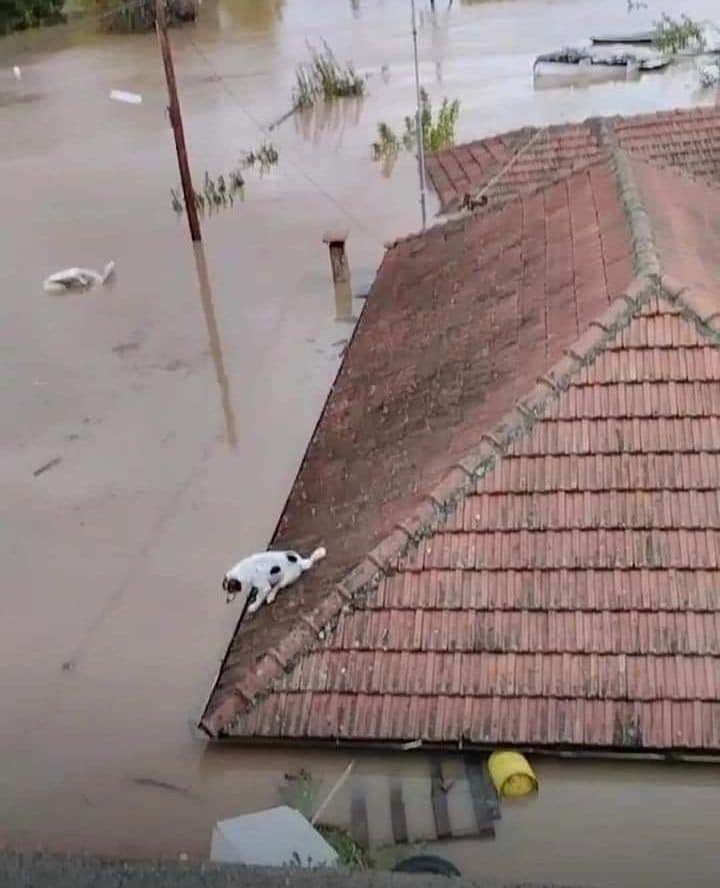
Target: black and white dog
[{"x": 265, "y": 574}]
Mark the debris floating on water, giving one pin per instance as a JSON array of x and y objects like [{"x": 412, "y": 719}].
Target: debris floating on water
[
  {"x": 709, "y": 75},
  {"x": 47, "y": 466},
  {"x": 17, "y": 73},
  {"x": 77, "y": 278},
  {"x": 275, "y": 837},
  {"x": 511, "y": 773},
  {"x": 130, "y": 98},
  {"x": 610, "y": 55},
  {"x": 161, "y": 784}
]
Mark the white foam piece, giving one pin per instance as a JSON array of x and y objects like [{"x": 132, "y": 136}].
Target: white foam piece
[{"x": 119, "y": 95}]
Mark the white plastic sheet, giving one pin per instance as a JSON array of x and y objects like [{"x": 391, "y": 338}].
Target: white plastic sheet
[{"x": 275, "y": 837}]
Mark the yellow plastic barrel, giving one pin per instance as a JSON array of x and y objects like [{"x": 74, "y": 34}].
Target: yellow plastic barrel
[{"x": 511, "y": 773}]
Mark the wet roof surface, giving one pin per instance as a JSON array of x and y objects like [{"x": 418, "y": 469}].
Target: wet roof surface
[
  {"x": 559, "y": 586},
  {"x": 503, "y": 166}
]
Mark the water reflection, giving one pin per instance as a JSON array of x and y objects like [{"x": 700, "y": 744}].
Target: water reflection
[
  {"x": 251, "y": 15},
  {"x": 259, "y": 17},
  {"x": 439, "y": 39},
  {"x": 327, "y": 118},
  {"x": 214, "y": 342},
  {"x": 343, "y": 303}
]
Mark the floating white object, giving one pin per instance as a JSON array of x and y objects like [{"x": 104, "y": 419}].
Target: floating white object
[
  {"x": 709, "y": 75},
  {"x": 601, "y": 56},
  {"x": 17, "y": 73},
  {"x": 275, "y": 837},
  {"x": 77, "y": 278},
  {"x": 120, "y": 95}
]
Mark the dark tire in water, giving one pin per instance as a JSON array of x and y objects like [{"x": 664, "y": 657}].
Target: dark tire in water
[{"x": 427, "y": 863}]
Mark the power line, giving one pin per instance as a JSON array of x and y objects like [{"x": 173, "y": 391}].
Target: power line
[{"x": 265, "y": 130}]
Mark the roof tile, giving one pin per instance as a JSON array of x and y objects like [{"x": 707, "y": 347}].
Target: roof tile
[{"x": 686, "y": 139}]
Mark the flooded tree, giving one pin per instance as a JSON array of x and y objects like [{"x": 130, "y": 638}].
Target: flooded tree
[
  {"x": 17, "y": 15},
  {"x": 140, "y": 16},
  {"x": 675, "y": 35}
]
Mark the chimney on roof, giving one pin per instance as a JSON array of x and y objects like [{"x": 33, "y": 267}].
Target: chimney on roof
[{"x": 335, "y": 239}]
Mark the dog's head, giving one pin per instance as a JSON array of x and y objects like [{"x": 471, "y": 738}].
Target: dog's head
[{"x": 232, "y": 587}]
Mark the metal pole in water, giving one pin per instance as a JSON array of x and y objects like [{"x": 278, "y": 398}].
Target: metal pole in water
[{"x": 418, "y": 118}]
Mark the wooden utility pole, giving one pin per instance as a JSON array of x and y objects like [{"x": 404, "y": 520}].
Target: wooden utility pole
[{"x": 176, "y": 120}]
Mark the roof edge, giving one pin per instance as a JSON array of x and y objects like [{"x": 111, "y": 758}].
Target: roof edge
[
  {"x": 436, "y": 506},
  {"x": 558, "y": 750}
]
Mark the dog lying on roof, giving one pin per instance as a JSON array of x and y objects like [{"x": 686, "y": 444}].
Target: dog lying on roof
[{"x": 263, "y": 575}]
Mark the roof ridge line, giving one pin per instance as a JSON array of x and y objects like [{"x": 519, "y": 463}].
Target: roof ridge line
[
  {"x": 697, "y": 306},
  {"x": 438, "y": 503},
  {"x": 646, "y": 260}
]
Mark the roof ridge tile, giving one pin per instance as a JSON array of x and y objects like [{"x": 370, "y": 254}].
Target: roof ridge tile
[{"x": 646, "y": 260}]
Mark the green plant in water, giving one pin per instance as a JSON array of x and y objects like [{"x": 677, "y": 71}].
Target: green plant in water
[
  {"x": 350, "y": 854},
  {"x": 216, "y": 193},
  {"x": 437, "y": 133},
  {"x": 264, "y": 157},
  {"x": 300, "y": 791},
  {"x": 177, "y": 203},
  {"x": 387, "y": 145},
  {"x": 674, "y": 35},
  {"x": 323, "y": 77}
]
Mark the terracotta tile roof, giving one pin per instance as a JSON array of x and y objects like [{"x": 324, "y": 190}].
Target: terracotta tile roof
[
  {"x": 507, "y": 165},
  {"x": 460, "y": 322},
  {"x": 565, "y": 600},
  {"x": 558, "y": 586},
  {"x": 529, "y": 158},
  {"x": 687, "y": 139}
]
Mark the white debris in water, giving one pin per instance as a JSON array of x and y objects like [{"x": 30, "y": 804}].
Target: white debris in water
[
  {"x": 709, "y": 75},
  {"x": 77, "y": 278},
  {"x": 17, "y": 73},
  {"x": 130, "y": 98},
  {"x": 275, "y": 837}
]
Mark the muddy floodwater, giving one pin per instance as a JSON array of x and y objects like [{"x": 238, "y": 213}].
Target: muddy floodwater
[{"x": 151, "y": 429}]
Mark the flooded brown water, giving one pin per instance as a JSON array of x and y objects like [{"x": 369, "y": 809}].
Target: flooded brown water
[{"x": 175, "y": 417}]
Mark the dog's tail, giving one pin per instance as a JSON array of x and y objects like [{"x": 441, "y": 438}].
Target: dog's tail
[
  {"x": 317, "y": 555},
  {"x": 107, "y": 271}
]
